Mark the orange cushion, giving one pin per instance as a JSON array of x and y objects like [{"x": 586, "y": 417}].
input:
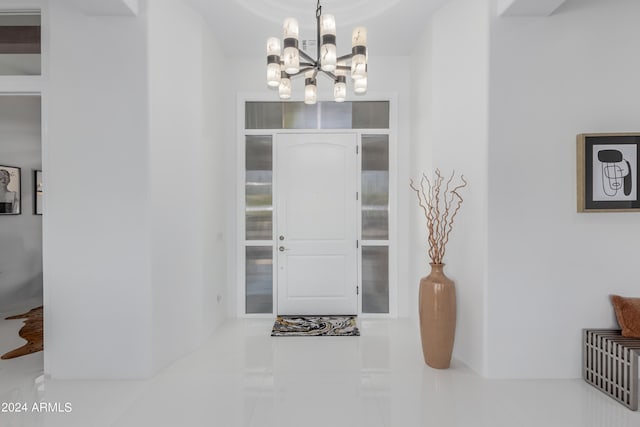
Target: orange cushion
[{"x": 628, "y": 315}]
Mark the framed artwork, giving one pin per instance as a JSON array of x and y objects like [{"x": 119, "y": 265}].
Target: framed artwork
[
  {"x": 10, "y": 195},
  {"x": 37, "y": 192},
  {"x": 607, "y": 168}
]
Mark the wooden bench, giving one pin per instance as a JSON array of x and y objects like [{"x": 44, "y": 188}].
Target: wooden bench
[{"x": 610, "y": 364}]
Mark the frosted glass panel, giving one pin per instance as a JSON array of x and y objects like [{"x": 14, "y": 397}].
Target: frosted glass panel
[
  {"x": 258, "y": 188},
  {"x": 263, "y": 115},
  {"x": 298, "y": 115},
  {"x": 20, "y": 44},
  {"x": 371, "y": 115},
  {"x": 375, "y": 279},
  {"x": 336, "y": 115},
  {"x": 375, "y": 187},
  {"x": 259, "y": 279},
  {"x": 333, "y": 115}
]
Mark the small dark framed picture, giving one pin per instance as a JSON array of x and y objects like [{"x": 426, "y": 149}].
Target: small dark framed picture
[
  {"x": 608, "y": 172},
  {"x": 37, "y": 192},
  {"x": 10, "y": 195}
]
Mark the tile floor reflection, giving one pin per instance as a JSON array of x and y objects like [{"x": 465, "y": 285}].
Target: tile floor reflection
[{"x": 243, "y": 377}]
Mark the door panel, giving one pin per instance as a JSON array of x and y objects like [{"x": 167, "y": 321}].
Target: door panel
[{"x": 316, "y": 210}]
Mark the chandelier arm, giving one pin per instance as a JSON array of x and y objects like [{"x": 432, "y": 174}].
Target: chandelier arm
[
  {"x": 329, "y": 74},
  {"x": 345, "y": 57},
  {"x": 307, "y": 57},
  {"x": 302, "y": 71}
]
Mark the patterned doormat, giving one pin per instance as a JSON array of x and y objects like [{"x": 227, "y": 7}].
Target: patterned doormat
[{"x": 313, "y": 326}]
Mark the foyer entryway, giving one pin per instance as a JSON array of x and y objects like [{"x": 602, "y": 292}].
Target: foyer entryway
[{"x": 316, "y": 210}]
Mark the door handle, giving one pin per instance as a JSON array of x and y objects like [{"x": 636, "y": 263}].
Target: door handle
[{"x": 282, "y": 249}]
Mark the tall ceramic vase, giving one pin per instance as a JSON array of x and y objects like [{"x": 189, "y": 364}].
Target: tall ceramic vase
[{"x": 437, "y": 308}]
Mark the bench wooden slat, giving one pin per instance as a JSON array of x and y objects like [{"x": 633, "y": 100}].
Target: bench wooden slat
[{"x": 610, "y": 364}]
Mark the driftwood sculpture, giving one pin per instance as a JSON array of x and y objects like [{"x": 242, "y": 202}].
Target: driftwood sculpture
[{"x": 440, "y": 205}]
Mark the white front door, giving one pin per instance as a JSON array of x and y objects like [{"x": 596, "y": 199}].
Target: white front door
[{"x": 316, "y": 210}]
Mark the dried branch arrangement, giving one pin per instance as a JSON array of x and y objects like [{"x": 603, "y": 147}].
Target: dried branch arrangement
[{"x": 440, "y": 206}]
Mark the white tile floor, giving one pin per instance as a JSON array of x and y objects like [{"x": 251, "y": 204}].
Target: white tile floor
[{"x": 243, "y": 377}]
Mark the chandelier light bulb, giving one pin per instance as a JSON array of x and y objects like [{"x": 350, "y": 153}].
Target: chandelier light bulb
[
  {"x": 291, "y": 60},
  {"x": 273, "y": 61},
  {"x": 328, "y": 57},
  {"x": 358, "y": 67},
  {"x": 328, "y": 51},
  {"x": 339, "y": 91},
  {"x": 359, "y": 52},
  {"x": 327, "y": 25},
  {"x": 310, "y": 94},
  {"x": 290, "y": 29},
  {"x": 290, "y": 32},
  {"x": 284, "y": 89},
  {"x": 273, "y": 46},
  {"x": 360, "y": 86},
  {"x": 273, "y": 75},
  {"x": 310, "y": 88},
  {"x": 359, "y": 37}
]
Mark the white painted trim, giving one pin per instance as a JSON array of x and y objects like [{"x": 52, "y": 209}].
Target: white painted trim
[
  {"x": 359, "y": 218},
  {"x": 528, "y": 7},
  {"x": 240, "y": 240},
  {"x": 28, "y": 85},
  {"x": 108, "y": 7},
  {"x": 274, "y": 225},
  {"x": 258, "y": 242},
  {"x": 12, "y": 6},
  {"x": 240, "y": 215},
  {"x": 21, "y": 85},
  {"x": 393, "y": 205},
  {"x": 374, "y": 242}
]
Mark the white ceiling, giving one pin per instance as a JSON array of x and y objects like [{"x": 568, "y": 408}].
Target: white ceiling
[{"x": 242, "y": 26}]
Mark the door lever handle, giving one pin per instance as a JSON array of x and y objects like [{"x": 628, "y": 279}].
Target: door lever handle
[{"x": 282, "y": 249}]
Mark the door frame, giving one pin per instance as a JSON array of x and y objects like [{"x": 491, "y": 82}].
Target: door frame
[
  {"x": 237, "y": 245},
  {"x": 356, "y": 170}
]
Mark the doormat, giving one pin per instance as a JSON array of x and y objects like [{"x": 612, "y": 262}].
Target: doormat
[
  {"x": 31, "y": 331},
  {"x": 313, "y": 326}
]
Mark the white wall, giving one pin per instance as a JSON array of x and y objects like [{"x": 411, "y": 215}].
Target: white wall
[
  {"x": 21, "y": 235},
  {"x": 134, "y": 243},
  {"x": 450, "y": 75},
  {"x": 527, "y": 266},
  {"x": 552, "y": 269},
  {"x": 216, "y": 98},
  {"x": 96, "y": 232},
  {"x": 388, "y": 78},
  {"x": 187, "y": 206}
]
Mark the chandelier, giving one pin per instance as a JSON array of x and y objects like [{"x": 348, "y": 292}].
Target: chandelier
[{"x": 291, "y": 61}]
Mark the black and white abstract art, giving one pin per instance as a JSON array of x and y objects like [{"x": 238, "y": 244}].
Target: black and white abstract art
[
  {"x": 607, "y": 172},
  {"x": 614, "y": 172}
]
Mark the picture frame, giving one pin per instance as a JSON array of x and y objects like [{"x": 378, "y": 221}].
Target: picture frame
[
  {"x": 37, "y": 192},
  {"x": 10, "y": 190},
  {"x": 607, "y": 172}
]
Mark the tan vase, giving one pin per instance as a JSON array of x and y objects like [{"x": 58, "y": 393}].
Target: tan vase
[{"x": 437, "y": 308}]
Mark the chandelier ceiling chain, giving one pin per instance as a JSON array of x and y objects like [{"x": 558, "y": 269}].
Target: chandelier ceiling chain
[{"x": 283, "y": 64}]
